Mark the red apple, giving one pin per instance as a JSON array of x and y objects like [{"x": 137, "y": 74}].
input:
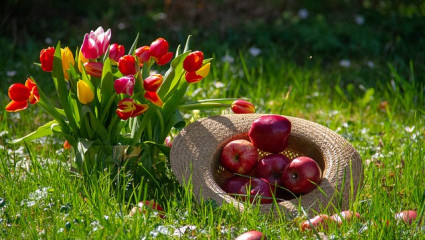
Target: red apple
[
  {"x": 144, "y": 206},
  {"x": 408, "y": 216},
  {"x": 258, "y": 188},
  {"x": 239, "y": 156},
  {"x": 234, "y": 184},
  {"x": 271, "y": 168},
  {"x": 318, "y": 221},
  {"x": 301, "y": 175},
  {"x": 270, "y": 133},
  {"x": 347, "y": 216},
  {"x": 251, "y": 235}
]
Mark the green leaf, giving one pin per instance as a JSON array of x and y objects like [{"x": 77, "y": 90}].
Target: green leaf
[
  {"x": 163, "y": 148},
  {"x": 172, "y": 77},
  {"x": 107, "y": 85},
  {"x": 62, "y": 90},
  {"x": 42, "y": 131},
  {"x": 186, "y": 47},
  {"x": 134, "y": 45}
]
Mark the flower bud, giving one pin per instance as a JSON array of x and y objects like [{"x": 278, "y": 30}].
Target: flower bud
[
  {"x": 116, "y": 51},
  {"x": 84, "y": 92},
  {"x": 127, "y": 65},
  {"x": 94, "y": 69},
  {"x": 153, "y": 82},
  {"x": 242, "y": 106},
  {"x": 67, "y": 59},
  {"x": 46, "y": 59},
  {"x": 142, "y": 54},
  {"x": 193, "y": 61}
]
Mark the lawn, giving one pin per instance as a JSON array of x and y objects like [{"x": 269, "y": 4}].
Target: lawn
[{"x": 363, "y": 81}]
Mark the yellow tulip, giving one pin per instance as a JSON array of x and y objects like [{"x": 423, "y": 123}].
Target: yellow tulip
[
  {"x": 81, "y": 61},
  {"x": 84, "y": 92},
  {"x": 67, "y": 58}
]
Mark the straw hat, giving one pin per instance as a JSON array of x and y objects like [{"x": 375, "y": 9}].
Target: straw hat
[{"x": 196, "y": 152}]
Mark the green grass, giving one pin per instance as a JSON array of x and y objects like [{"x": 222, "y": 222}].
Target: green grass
[{"x": 44, "y": 199}]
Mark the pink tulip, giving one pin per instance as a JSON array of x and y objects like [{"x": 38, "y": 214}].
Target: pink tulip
[
  {"x": 124, "y": 85},
  {"x": 95, "y": 43}
]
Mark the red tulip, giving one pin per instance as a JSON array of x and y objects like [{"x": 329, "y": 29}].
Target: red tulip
[
  {"x": 125, "y": 85},
  {"x": 242, "y": 106},
  {"x": 194, "y": 77},
  {"x": 193, "y": 61},
  {"x": 116, "y": 51},
  {"x": 127, "y": 65},
  {"x": 66, "y": 145},
  {"x": 128, "y": 108},
  {"x": 46, "y": 59},
  {"x": 153, "y": 82},
  {"x": 158, "y": 50},
  {"x": 20, "y": 94},
  {"x": 154, "y": 98},
  {"x": 142, "y": 54},
  {"x": 94, "y": 69}
]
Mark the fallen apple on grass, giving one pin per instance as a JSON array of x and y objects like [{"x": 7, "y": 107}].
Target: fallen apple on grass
[
  {"x": 346, "y": 216},
  {"x": 251, "y": 235},
  {"x": 239, "y": 156},
  {"x": 302, "y": 175},
  {"x": 148, "y": 206},
  {"x": 319, "y": 221},
  {"x": 258, "y": 188},
  {"x": 271, "y": 168},
  {"x": 407, "y": 216},
  {"x": 270, "y": 133}
]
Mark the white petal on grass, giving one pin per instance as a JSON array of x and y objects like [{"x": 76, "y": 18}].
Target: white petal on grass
[
  {"x": 219, "y": 84},
  {"x": 160, "y": 230},
  {"x": 2, "y": 133},
  {"x": 303, "y": 13},
  {"x": 179, "y": 232},
  {"x": 254, "y": 51}
]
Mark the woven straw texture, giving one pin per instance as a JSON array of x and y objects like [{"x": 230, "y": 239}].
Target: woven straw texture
[{"x": 196, "y": 152}]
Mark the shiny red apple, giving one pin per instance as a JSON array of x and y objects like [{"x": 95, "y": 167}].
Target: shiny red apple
[
  {"x": 271, "y": 168},
  {"x": 270, "y": 133},
  {"x": 347, "y": 216},
  {"x": 318, "y": 221},
  {"x": 239, "y": 156},
  {"x": 234, "y": 184},
  {"x": 258, "y": 188},
  {"x": 407, "y": 216},
  {"x": 301, "y": 175},
  {"x": 251, "y": 235}
]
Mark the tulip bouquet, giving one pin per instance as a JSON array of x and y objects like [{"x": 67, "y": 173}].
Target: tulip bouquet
[{"x": 114, "y": 104}]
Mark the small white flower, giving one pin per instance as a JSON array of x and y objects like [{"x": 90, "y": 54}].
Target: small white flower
[
  {"x": 359, "y": 19},
  {"x": 409, "y": 129},
  {"x": 2, "y": 133},
  {"x": 219, "y": 84},
  {"x": 254, "y": 51},
  {"x": 345, "y": 63},
  {"x": 227, "y": 58},
  {"x": 11, "y": 73},
  {"x": 121, "y": 26},
  {"x": 303, "y": 13},
  {"x": 370, "y": 64},
  {"x": 48, "y": 40}
]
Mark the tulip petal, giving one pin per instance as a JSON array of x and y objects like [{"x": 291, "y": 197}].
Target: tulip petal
[
  {"x": 204, "y": 70},
  {"x": 139, "y": 109},
  {"x": 19, "y": 92},
  {"x": 158, "y": 48},
  {"x": 192, "y": 77},
  {"x": 193, "y": 61},
  {"x": 84, "y": 92},
  {"x": 125, "y": 85},
  {"x": 153, "y": 82},
  {"x": 165, "y": 59},
  {"x": 94, "y": 69},
  {"x": 16, "y": 106},
  {"x": 242, "y": 106},
  {"x": 154, "y": 98}
]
